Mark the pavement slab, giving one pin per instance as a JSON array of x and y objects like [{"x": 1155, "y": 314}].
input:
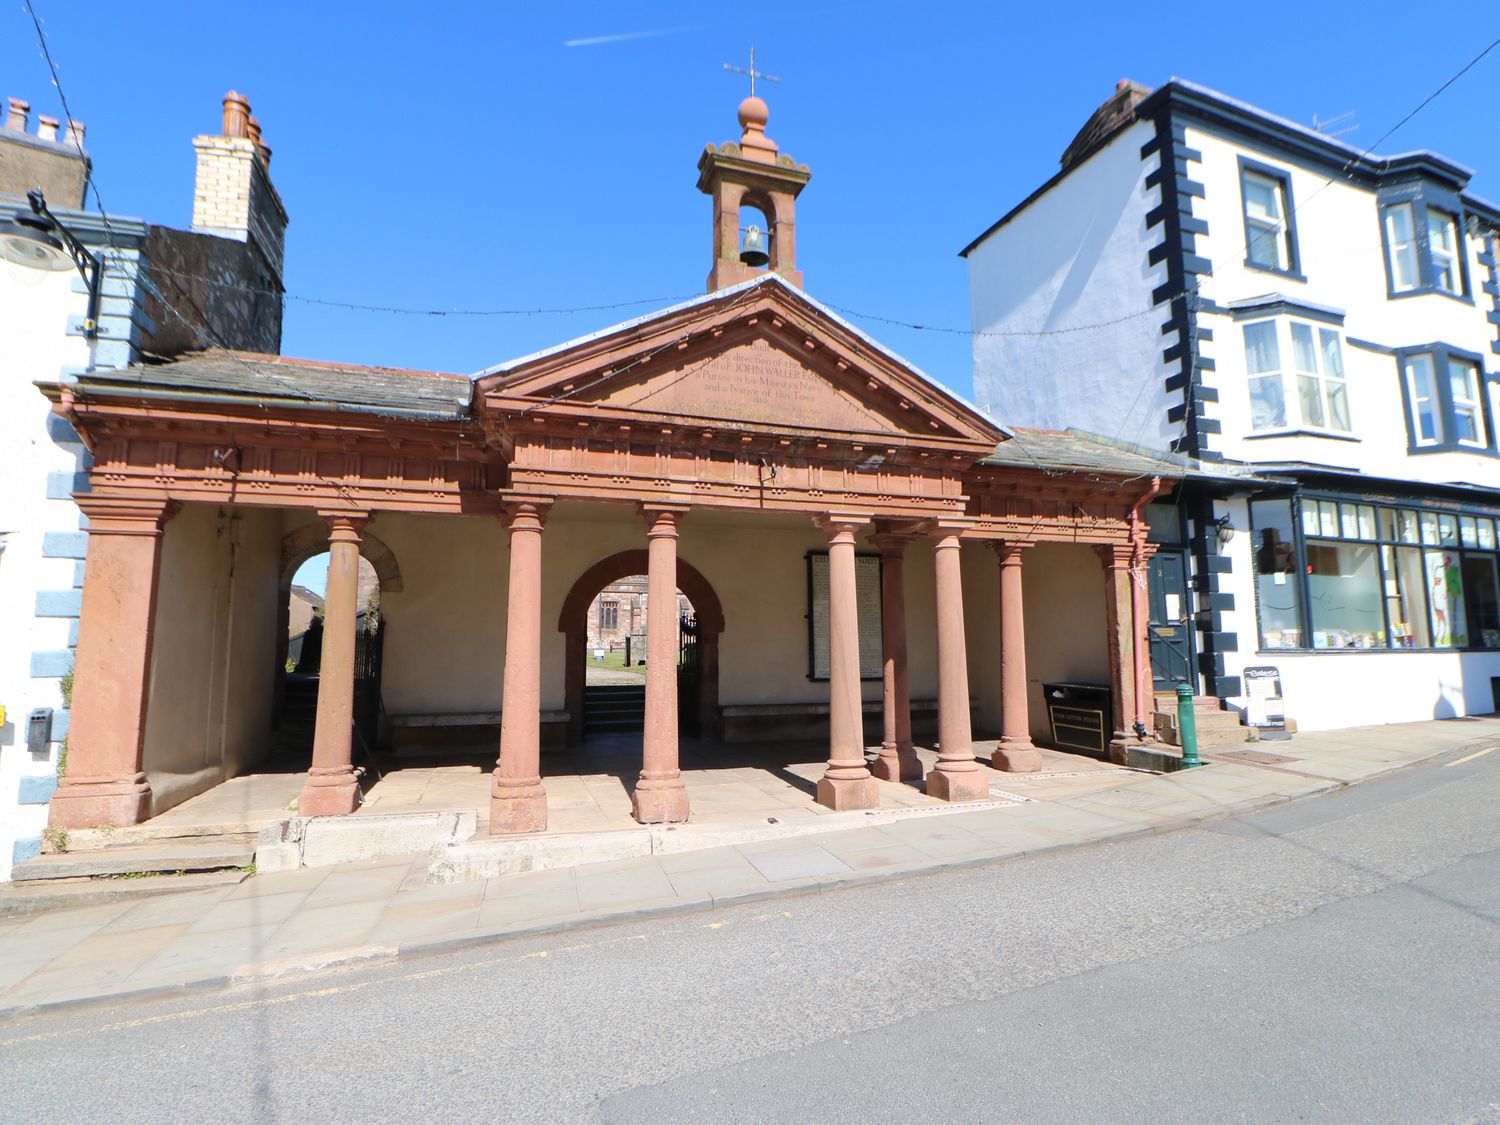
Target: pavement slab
[{"x": 304, "y": 918}]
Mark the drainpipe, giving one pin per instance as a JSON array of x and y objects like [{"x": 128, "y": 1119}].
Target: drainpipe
[{"x": 1140, "y": 612}]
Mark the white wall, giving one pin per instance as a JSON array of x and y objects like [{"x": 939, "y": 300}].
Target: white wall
[
  {"x": 1076, "y": 256},
  {"x": 1338, "y": 238},
  {"x": 34, "y": 310}
]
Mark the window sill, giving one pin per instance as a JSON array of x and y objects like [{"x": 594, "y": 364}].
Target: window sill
[
  {"x": 1335, "y": 435},
  {"x": 1289, "y": 274},
  {"x": 1452, "y": 447},
  {"x": 1431, "y": 291}
]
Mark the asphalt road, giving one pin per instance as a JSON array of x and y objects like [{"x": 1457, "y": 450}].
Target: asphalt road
[{"x": 1337, "y": 959}]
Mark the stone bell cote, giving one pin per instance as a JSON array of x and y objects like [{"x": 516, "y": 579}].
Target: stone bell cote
[{"x": 754, "y": 187}]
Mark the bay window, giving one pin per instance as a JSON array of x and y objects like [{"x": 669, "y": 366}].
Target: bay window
[
  {"x": 1442, "y": 244},
  {"x": 1321, "y": 399},
  {"x": 1421, "y": 227},
  {"x": 1421, "y": 389},
  {"x": 1401, "y": 247},
  {"x": 1468, "y": 418}
]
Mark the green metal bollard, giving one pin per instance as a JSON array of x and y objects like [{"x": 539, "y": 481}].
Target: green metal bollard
[{"x": 1187, "y": 727}]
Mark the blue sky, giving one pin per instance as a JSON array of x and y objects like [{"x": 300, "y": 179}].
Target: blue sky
[{"x": 463, "y": 156}]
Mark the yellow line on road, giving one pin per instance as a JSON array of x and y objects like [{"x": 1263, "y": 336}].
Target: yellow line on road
[{"x": 1471, "y": 757}]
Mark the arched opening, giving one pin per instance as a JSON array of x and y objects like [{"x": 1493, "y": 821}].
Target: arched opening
[
  {"x": 756, "y": 234},
  {"x": 304, "y": 571},
  {"x": 614, "y": 693},
  {"x": 701, "y": 621}
]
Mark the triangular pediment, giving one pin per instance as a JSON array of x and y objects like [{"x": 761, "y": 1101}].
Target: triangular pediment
[{"x": 760, "y": 355}]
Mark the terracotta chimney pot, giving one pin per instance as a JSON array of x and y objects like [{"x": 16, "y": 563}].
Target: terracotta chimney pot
[
  {"x": 74, "y": 133},
  {"x": 236, "y": 115},
  {"x": 46, "y": 128},
  {"x": 19, "y": 114}
]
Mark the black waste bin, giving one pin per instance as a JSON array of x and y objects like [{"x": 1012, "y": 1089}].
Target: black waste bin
[{"x": 1080, "y": 716}]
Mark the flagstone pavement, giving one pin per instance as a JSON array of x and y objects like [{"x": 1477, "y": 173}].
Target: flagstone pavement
[{"x": 310, "y": 919}]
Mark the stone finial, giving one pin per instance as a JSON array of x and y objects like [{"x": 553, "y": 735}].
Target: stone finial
[
  {"x": 754, "y": 144},
  {"x": 236, "y": 115},
  {"x": 74, "y": 133},
  {"x": 46, "y": 128},
  {"x": 19, "y": 114}
]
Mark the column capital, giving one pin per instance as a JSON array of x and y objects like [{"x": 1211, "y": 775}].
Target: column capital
[
  {"x": 1010, "y": 550},
  {"x": 892, "y": 544},
  {"x": 663, "y": 519},
  {"x": 841, "y": 527},
  {"x": 119, "y": 515},
  {"x": 344, "y": 526},
  {"x": 1115, "y": 556},
  {"x": 525, "y": 513}
]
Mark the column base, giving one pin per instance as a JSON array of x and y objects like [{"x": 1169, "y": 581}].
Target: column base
[
  {"x": 846, "y": 793},
  {"x": 667, "y": 805},
  {"x": 971, "y": 785},
  {"x": 517, "y": 809},
  {"x": 1016, "y": 755},
  {"x": 88, "y": 802},
  {"x": 897, "y": 763},
  {"x": 329, "y": 794}
]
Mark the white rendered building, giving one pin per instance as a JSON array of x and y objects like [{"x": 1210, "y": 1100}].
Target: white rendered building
[
  {"x": 1247, "y": 290},
  {"x": 163, "y": 291}
]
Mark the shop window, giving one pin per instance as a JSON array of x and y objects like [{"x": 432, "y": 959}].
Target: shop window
[
  {"x": 1406, "y": 598},
  {"x": 1278, "y": 591},
  {"x": 1482, "y": 591},
  {"x": 1343, "y": 593}
]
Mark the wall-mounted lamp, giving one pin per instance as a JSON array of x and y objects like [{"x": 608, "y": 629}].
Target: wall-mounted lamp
[
  {"x": 1225, "y": 530},
  {"x": 37, "y": 239}
]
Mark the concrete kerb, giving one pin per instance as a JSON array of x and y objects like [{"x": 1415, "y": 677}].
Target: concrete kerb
[{"x": 261, "y": 972}]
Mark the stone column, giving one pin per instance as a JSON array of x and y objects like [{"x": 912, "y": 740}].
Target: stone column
[
  {"x": 332, "y": 788},
  {"x": 1140, "y": 608},
  {"x": 518, "y": 803},
  {"x": 957, "y": 776},
  {"x": 847, "y": 783},
  {"x": 1015, "y": 753},
  {"x": 105, "y": 782},
  {"x": 897, "y": 760},
  {"x": 1119, "y": 631},
  {"x": 660, "y": 797}
]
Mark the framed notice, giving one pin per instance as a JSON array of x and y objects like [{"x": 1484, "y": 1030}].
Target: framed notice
[
  {"x": 1264, "y": 706},
  {"x": 867, "y": 600}
]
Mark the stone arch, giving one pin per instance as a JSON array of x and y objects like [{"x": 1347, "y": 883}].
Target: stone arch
[
  {"x": 299, "y": 545},
  {"x": 312, "y": 539},
  {"x": 572, "y": 622}
]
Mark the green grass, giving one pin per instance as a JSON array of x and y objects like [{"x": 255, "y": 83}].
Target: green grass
[{"x": 614, "y": 660}]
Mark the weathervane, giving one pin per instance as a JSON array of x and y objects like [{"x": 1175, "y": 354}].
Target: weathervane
[{"x": 752, "y": 72}]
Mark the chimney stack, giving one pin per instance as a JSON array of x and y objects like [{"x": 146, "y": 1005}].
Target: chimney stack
[
  {"x": 233, "y": 196},
  {"x": 56, "y": 163}
]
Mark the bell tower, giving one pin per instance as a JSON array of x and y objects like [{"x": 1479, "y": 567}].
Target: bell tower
[{"x": 753, "y": 179}]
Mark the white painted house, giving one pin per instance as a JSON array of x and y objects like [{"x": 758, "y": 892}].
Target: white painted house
[
  {"x": 163, "y": 291},
  {"x": 1205, "y": 277}
]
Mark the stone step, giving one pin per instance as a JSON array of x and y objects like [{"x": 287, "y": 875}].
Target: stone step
[
  {"x": 611, "y": 691},
  {"x": 1220, "y": 728},
  {"x": 31, "y": 897},
  {"x": 612, "y": 710},
  {"x": 139, "y": 859},
  {"x": 609, "y": 726}
]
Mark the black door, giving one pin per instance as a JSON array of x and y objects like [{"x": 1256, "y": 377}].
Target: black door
[
  {"x": 688, "y": 676},
  {"x": 1171, "y": 628}
]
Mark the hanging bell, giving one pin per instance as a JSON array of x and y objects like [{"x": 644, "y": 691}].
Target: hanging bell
[{"x": 753, "y": 250}]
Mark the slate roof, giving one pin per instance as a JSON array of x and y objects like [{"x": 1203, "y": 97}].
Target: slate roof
[
  {"x": 387, "y": 391},
  {"x": 1078, "y": 451}
]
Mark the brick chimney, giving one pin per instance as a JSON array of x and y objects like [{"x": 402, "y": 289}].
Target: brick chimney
[{"x": 233, "y": 196}]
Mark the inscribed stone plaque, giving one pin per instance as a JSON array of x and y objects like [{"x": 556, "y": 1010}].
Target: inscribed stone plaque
[
  {"x": 867, "y": 600},
  {"x": 754, "y": 382}
]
